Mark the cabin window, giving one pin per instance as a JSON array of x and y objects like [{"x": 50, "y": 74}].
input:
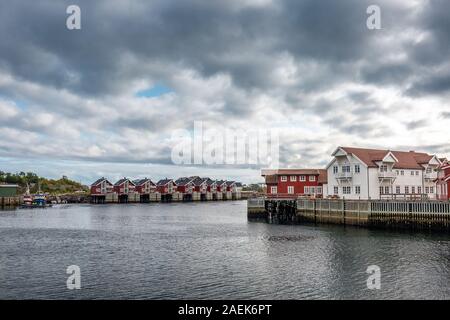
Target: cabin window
[
  {"x": 284, "y": 178},
  {"x": 312, "y": 178},
  {"x": 302, "y": 178},
  {"x": 357, "y": 189},
  {"x": 412, "y": 173},
  {"x": 346, "y": 190},
  {"x": 429, "y": 170},
  {"x": 336, "y": 190},
  {"x": 406, "y": 189},
  {"x": 345, "y": 168},
  {"x": 417, "y": 173},
  {"x": 273, "y": 190},
  {"x": 293, "y": 178},
  {"x": 397, "y": 189},
  {"x": 357, "y": 168},
  {"x": 383, "y": 168},
  {"x": 419, "y": 190},
  {"x": 413, "y": 189},
  {"x": 290, "y": 189},
  {"x": 431, "y": 189},
  {"x": 306, "y": 190},
  {"x": 335, "y": 169},
  {"x": 319, "y": 190},
  {"x": 402, "y": 173},
  {"x": 387, "y": 190}
]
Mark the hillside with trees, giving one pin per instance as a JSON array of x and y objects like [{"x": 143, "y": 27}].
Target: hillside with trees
[{"x": 53, "y": 186}]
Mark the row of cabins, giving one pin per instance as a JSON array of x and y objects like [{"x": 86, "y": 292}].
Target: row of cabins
[
  {"x": 165, "y": 190},
  {"x": 358, "y": 173}
]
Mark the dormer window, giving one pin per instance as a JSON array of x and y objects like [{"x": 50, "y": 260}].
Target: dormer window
[{"x": 383, "y": 168}]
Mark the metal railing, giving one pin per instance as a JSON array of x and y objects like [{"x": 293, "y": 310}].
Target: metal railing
[
  {"x": 387, "y": 174},
  {"x": 344, "y": 175}
]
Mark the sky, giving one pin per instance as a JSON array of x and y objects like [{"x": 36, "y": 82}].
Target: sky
[{"x": 106, "y": 100}]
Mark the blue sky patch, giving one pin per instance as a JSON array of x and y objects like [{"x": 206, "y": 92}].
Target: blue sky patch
[{"x": 154, "y": 92}]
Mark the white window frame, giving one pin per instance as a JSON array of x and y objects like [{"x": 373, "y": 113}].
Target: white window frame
[
  {"x": 302, "y": 178},
  {"x": 312, "y": 178},
  {"x": 335, "y": 190},
  {"x": 347, "y": 190},
  {"x": 290, "y": 189},
  {"x": 293, "y": 178},
  {"x": 273, "y": 190},
  {"x": 283, "y": 178}
]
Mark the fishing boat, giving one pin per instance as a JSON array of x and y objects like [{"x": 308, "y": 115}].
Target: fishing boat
[{"x": 38, "y": 200}]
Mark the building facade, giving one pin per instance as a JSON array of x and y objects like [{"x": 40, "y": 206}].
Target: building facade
[
  {"x": 356, "y": 173},
  {"x": 443, "y": 181},
  {"x": 295, "y": 182},
  {"x": 144, "y": 186},
  {"x": 101, "y": 187}
]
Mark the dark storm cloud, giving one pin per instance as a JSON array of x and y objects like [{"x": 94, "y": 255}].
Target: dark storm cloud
[
  {"x": 412, "y": 125},
  {"x": 287, "y": 57},
  {"x": 120, "y": 41}
]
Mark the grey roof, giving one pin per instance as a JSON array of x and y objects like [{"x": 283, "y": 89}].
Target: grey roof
[
  {"x": 199, "y": 181},
  {"x": 163, "y": 182},
  {"x": 139, "y": 182},
  {"x": 238, "y": 184},
  {"x": 210, "y": 181},
  {"x": 118, "y": 183},
  {"x": 220, "y": 182},
  {"x": 98, "y": 181},
  {"x": 230, "y": 183},
  {"x": 182, "y": 181}
]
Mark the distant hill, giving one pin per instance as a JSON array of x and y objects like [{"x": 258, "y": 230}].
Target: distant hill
[{"x": 52, "y": 186}]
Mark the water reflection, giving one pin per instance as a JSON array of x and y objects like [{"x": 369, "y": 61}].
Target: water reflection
[{"x": 209, "y": 250}]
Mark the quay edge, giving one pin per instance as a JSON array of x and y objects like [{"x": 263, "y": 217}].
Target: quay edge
[{"x": 413, "y": 215}]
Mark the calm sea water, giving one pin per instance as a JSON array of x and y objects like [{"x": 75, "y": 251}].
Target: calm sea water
[{"x": 209, "y": 251}]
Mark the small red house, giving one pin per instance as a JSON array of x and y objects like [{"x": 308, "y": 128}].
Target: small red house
[
  {"x": 124, "y": 186},
  {"x": 211, "y": 185},
  {"x": 221, "y": 186},
  {"x": 165, "y": 186},
  {"x": 144, "y": 186},
  {"x": 184, "y": 185},
  {"x": 231, "y": 186},
  {"x": 101, "y": 187},
  {"x": 295, "y": 182},
  {"x": 443, "y": 181},
  {"x": 200, "y": 184}
]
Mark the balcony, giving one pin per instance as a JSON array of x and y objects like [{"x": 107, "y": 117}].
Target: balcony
[
  {"x": 430, "y": 176},
  {"x": 344, "y": 175},
  {"x": 388, "y": 175}
]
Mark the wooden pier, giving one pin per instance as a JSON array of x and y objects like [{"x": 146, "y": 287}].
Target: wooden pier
[
  {"x": 163, "y": 197},
  {"x": 9, "y": 202},
  {"x": 397, "y": 214}
]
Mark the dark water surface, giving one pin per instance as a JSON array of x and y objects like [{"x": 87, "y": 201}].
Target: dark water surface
[{"x": 209, "y": 251}]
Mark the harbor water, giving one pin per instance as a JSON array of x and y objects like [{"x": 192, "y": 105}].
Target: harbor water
[{"x": 208, "y": 250}]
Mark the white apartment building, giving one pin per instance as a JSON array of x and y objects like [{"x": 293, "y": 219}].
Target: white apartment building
[{"x": 356, "y": 173}]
